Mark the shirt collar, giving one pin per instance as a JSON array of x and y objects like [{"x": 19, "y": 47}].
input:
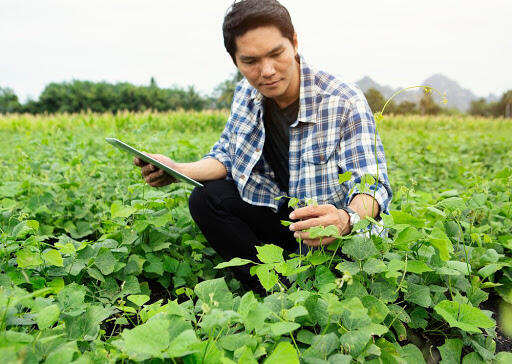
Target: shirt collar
[{"x": 308, "y": 95}]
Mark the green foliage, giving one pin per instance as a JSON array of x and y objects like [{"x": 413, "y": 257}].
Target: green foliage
[
  {"x": 8, "y": 101},
  {"x": 97, "y": 267}
]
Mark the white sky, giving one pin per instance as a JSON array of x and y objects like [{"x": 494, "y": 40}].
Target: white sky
[{"x": 396, "y": 42}]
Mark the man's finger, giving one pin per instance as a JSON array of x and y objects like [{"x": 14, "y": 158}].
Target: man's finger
[
  {"x": 306, "y": 224},
  {"x": 309, "y": 212},
  {"x": 139, "y": 162},
  {"x": 318, "y": 242},
  {"x": 148, "y": 169},
  {"x": 155, "y": 176}
]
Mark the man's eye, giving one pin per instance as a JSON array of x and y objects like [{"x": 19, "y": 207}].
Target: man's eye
[{"x": 277, "y": 54}]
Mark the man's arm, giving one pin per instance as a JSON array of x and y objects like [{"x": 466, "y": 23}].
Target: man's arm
[{"x": 203, "y": 170}]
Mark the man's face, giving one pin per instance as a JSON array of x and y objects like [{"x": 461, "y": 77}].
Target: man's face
[{"x": 267, "y": 60}]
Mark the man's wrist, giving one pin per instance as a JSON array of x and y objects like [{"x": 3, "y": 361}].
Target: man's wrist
[{"x": 345, "y": 228}]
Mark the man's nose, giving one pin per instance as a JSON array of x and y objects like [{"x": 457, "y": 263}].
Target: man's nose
[{"x": 268, "y": 69}]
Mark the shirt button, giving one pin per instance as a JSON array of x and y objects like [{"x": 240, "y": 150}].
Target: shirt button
[
  {"x": 258, "y": 150},
  {"x": 321, "y": 157},
  {"x": 242, "y": 176}
]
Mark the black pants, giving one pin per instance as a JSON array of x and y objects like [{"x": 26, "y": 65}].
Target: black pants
[{"x": 234, "y": 227}]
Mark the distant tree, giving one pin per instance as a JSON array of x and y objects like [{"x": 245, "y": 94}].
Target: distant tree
[
  {"x": 428, "y": 106},
  {"x": 375, "y": 100},
  {"x": 223, "y": 93},
  {"x": 501, "y": 109},
  {"x": 481, "y": 108},
  {"x": 406, "y": 107},
  {"x": 8, "y": 101},
  {"x": 79, "y": 96}
]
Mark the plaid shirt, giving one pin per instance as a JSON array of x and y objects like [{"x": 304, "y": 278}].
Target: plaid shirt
[{"x": 334, "y": 133}]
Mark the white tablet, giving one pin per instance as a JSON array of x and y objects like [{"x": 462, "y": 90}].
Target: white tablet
[{"x": 123, "y": 146}]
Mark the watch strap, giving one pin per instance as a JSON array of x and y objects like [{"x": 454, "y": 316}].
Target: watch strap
[{"x": 348, "y": 210}]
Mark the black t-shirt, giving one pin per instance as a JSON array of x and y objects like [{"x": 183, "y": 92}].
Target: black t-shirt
[{"x": 277, "y": 138}]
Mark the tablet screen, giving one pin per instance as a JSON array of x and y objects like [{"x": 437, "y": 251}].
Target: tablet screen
[{"x": 123, "y": 146}]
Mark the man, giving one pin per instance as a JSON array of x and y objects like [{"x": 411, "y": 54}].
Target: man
[{"x": 291, "y": 131}]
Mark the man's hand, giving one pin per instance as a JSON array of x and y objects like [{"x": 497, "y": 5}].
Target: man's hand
[
  {"x": 154, "y": 176},
  {"x": 322, "y": 215}
]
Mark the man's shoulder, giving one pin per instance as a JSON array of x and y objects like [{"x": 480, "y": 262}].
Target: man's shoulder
[{"x": 328, "y": 85}]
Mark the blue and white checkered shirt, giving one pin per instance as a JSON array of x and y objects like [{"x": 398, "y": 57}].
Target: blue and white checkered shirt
[{"x": 334, "y": 133}]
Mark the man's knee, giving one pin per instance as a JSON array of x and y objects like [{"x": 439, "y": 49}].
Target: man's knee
[{"x": 197, "y": 202}]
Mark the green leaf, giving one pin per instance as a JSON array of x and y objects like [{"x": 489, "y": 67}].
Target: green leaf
[
  {"x": 215, "y": 290},
  {"x": 340, "y": 359},
  {"x": 284, "y": 353},
  {"x": 322, "y": 346},
  {"x": 118, "y": 210},
  {"x": 418, "y": 294},
  {"x": 355, "y": 341},
  {"x": 183, "y": 343},
  {"x": 373, "y": 266},
  {"x": 267, "y": 276},
  {"x": 503, "y": 358},
  {"x": 463, "y": 316},
  {"x": 472, "y": 358},
  {"x": 27, "y": 258},
  {"x": 417, "y": 266},
  {"x": 87, "y": 325},
  {"x": 151, "y": 338},
  {"x": 138, "y": 299},
  {"x": 360, "y": 248},
  {"x": 293, "y": 202},
  {"x": 451, "y": 351},
  {"x": 282, "y": 327},
  {"x": 47, "y": 316},
  {"x": 377, "y": 310},
  {"x": 441, "y": 242},
  {"x": 344, "y": 177},
  {"x": 234, "y": 341},
  {"x": 406, "y": 236},
  {"x": 452, "y": 203},
  {"x": 53, "y": 257},
  {"x": 418, "y": 318},
  {"x": 270, "y": 253},
  {"x": 404, "y": 218},
  {"x": 235, "y": 262},
  {"x": 412, "y": 354},
  {"x": 105, "y": 261}
]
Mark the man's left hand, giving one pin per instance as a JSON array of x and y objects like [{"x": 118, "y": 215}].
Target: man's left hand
[{"x": 322, "y": 215}]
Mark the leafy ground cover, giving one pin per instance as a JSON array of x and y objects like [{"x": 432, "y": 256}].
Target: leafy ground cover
[{"x": 96, "y": 267}]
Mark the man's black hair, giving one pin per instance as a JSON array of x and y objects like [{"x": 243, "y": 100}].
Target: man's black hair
[{"x": 246, "y": 15}]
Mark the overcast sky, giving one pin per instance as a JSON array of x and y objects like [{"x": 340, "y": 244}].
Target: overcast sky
[{"x": 396, "y": 42}]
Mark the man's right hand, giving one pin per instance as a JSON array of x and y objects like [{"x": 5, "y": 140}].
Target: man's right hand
[{"x": 154, "y": 176}]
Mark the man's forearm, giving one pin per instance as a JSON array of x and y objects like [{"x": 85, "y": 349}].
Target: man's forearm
[
  {"x": 203, "y": 170},
  {"x": 365, "y": 205}
]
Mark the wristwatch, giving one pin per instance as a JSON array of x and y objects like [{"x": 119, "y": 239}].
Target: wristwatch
[{"x": 354, "y": 216}]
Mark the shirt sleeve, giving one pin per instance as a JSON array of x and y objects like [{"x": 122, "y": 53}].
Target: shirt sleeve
[
  {"x": 358, "y": 143},
  {"x": 220, "y": 150}
]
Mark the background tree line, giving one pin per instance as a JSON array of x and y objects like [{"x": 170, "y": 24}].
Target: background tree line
[{"x": 77, "y": 96}]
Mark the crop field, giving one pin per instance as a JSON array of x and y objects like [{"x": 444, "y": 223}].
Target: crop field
[{"x": 98, "y": 267}]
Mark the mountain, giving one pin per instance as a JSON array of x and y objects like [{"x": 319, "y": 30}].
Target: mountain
[
  {"x": 458, "y": 97},
  {"x": 367, "y": 83}
]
